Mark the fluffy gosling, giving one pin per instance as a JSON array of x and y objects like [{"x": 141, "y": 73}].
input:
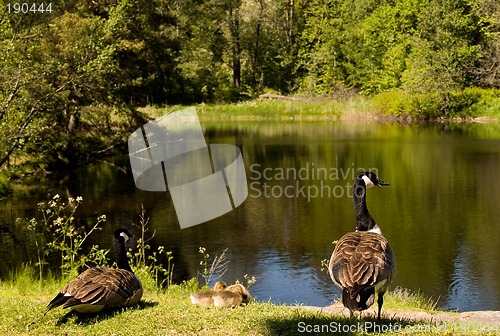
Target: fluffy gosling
[
  {"x": 232, "y": 296},
  {"x": 205, "y": 298}
]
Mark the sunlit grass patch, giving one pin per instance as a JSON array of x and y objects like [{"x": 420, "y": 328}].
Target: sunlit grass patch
[
  {"x": 405, "y": 299},
  {"x": 170, "y": 312}
]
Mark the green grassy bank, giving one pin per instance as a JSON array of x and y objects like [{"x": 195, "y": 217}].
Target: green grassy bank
[
  {"x": 467, "y": 104},
  {"x": 23, "y": 299}
]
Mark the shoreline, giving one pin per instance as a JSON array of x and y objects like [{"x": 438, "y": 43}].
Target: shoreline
[
  {"x": 491, "y": 317},
  {"x": 351, "y": 118},
  {"x": 356, "y": 109}
]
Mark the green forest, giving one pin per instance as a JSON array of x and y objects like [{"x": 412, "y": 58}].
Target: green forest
[{"x": 74, "y": 72}]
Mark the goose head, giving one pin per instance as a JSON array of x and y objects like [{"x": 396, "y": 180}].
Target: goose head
[
  {"x": 120, "y": 237},
  {"x": 220, "y": 286},
  {"x": 371, "y": 179}
]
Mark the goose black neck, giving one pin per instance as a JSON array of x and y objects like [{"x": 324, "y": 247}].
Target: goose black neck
[
  {"x": 121, "y": 254},
  {"x": 364, "y": 220}
]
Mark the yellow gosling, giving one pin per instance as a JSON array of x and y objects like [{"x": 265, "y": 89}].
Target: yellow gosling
[
  {"x": 205, "y": 298},
  {"x": 232, "y": 296}
]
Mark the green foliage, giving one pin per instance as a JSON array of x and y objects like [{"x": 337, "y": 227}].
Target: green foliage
[
  {"x": 471, "y": 102},
  {"x": 57, "y": 233},
  {"x": 53, "y": 72},
  {"x": 416, "y": 46},
  {"x": 393, "y": 102},
  {"x": 70, "y": 81}
]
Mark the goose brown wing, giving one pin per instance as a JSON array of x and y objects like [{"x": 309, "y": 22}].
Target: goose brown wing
[
  {"x": 361, "y": 260},
  {"x": 102, "y": 286}
]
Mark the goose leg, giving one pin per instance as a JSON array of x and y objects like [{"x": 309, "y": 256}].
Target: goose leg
[{"x": 380, "y": 301}]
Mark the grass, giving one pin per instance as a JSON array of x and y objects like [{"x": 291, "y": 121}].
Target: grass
[
  {"x": 462, "y": 105},
  {"x": 169, "y": 312},
  {"x": 260, "y": 109}
]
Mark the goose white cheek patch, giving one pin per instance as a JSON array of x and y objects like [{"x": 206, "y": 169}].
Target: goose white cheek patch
[
  {"x": 368, "y": 182},
  {"x": 125, "y": 237}
]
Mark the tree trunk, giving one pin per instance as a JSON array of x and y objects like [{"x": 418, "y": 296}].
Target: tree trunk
[
  {"x": 289, "y": 23},
  {"x": 234, "y": 28}
]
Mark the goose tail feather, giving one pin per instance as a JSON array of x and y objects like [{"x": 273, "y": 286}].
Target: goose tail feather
[
  {"x": 357, "y": 302},
  {"x": 59, "y": 300}
]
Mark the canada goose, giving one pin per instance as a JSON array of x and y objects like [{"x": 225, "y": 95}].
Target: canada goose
[
  {"x": 102, "y": 287},
  {"x": 205, "y": 298},
  {"x": 232, "y": 296},
  {"x": 363, "y": 263}
]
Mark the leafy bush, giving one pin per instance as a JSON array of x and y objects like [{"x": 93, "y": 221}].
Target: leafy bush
[
  {"x": 470, "y": 102},
  {"x": 391, "y": 103}
]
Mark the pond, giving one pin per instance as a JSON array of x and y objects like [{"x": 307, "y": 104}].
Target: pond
[{"x": 441, "y": 212}]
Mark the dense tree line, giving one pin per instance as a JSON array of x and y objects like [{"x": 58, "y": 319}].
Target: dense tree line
[{"x": 71, "y": 77}]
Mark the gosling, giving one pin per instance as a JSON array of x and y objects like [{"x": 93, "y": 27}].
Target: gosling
[
  {"x": 232, "y": 296},
  {"x": 206, "y": 297}
]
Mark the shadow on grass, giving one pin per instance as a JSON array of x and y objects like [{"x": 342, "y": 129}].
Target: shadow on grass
[
  {"x": 86, "y": 319},
  {"x": 327, "y": 324}
]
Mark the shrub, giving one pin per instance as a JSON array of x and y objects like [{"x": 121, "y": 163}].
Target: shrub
[
  {"x": 393, "y": 102},
  {"x": 470, "y": 102}
]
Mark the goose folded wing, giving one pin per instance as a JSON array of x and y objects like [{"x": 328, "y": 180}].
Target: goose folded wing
[
  {"x": 360, "y": 260},
  {"x": 102, "y": 286}
]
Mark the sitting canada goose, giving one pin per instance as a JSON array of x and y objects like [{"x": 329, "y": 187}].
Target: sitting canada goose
[
  {"x": 205, "y": 298},
  {"x": 102, "y": 287},
  {"x": 232, "y": 296},
  {"x": 363, "y": 263}
]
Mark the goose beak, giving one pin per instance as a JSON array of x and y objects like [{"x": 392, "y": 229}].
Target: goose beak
[{"x": 381, "y": 182}]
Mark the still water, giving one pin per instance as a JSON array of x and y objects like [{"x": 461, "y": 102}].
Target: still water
[{"x": 441, "y": 213}]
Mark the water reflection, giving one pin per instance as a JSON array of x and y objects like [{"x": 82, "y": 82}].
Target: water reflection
[{"x": 439, "y": 213}]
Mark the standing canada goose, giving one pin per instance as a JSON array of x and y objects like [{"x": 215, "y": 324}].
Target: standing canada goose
[
  {"x": 205, "y": 298},
  {"x": 363, "y": 263},
  {"x": 102, "y": 287},
  {"x": 232, "y": 296}
]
